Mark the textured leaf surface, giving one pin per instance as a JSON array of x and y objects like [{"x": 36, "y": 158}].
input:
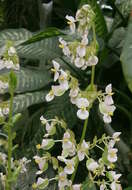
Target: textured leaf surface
[
  {"x": 29, "y": 79},
  {"x": 126, "y": 56},
  {"x": 16, "y": 35},
  {"x": 47, "y": 33},
  {"x": 23, "y": 101}
]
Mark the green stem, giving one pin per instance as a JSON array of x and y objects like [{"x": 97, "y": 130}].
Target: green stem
[
  {"x": 92, "y": 77},
  {"x": 10, "y": 140},
  {"x": 86, "y": 121}
]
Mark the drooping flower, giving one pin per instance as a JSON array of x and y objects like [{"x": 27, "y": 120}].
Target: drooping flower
[
  {"x": 11, "y": 51},
  {"x": 63, "y": 181},
  {"x": 92, "y": 165},
  {"x": 69, "y": 168},
  {"x": 64, "y": 46},
  {"x": 82, "y": 150},
  {"x": 55, "y": 70},
  {"x": 76, "y": 187},
  {"x": 112, "y": 154},
  {"x": 82, "y": 104},
  {"x": 71, "y": 22}
]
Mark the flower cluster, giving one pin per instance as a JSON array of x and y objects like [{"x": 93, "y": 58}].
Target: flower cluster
[
  {"x": 10, "y": 60},
  {"x": 82, "y": 53},
  {"x": 102, "y": 168},
  {"x": 66, "y": 82}
]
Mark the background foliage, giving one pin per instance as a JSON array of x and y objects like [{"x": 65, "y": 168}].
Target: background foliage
[{"x": 19, "y": 22}]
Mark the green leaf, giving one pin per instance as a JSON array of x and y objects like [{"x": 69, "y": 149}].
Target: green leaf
[
  {"x": 29, "y": 79},
  {"x": 23, "y": 101},
  {"x": 47, "y": 33},
  {"x": 128, "y": 188},
  {"x": 126, "y": 56},
  {"x": 16, "y": 35}
]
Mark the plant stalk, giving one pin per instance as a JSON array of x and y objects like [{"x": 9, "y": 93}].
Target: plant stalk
[{"x": 10, "y": 140}]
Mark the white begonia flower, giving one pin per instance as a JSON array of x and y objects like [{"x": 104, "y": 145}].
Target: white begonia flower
[
  {"x": 102, "y": 187},
  {"x": 111, "y": 144},
  {"x": 93, "y": 60},
  {"x": 79, "y": 62},
  {"x": 64, "y": 46},
  {"x": 40, "y": 181},
  {"x": 3, "y": 158},
  {"x": 74, "y": 92},
  {"x": 43, "y": 120},
  {"x": 59, "y": 90},
  {"x": 55, "y": 70},
  {"x": 81, "y": 152},
  {"x": 82, "y": 103},
  {"x": 85, "y": 39},
  {"x": 76, "y": 187},
  {"x": 81, "y": 50},
  {"x": 71, "y": 22},
  {"x": 67, "y": 145},
  {"x": 116, "y": 135},
  {"x": 114, "y": 175},
  {"x": 50, "y": 96},
  {"x": 5, "y": 110},
  {"x": 63, "y": 181},
  {"x": 40, "y": 161},
  {"x": 69, "y": 168},
  {"x": 74, "y": 100},
  {"x": 92, "y": 165},
  {"x": 108, "y": 89},
  {"x": 108, "y": 100},
  {"x": 9, "y": 64},
  {"x": 115, "y": 186},
  {"x": 112, "y": 155},
  {"x": 107, "y": 111},
  {"x": 3, "y": 86},
  {"x": 23, "y": 163},
  {"x": 63, "y": 80},
  {"x": 11, "y": 51},
  {"x": 107, "y": 118}
]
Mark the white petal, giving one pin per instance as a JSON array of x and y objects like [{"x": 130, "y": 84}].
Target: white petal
[
  {"x": 58, "y": 90},
  {"x": 82, "y": 114},
  {"x": 49, "y": 97},
  {"x": 82, "y": 102},
  {"x": 107, "y": 118},
  {"x": 81, "y": 155},
  {"x": 93, "y": 60},
  {"x": 81, "y": 50},
  {"x": 70, "y": 18},
  {"x": 108, "y": 89},
  {"x": 56, "y": 76},
  {"x": 109, "y": 100},
  {"x": 56, "y": 65},
  {"x": 79, "y": 62}
]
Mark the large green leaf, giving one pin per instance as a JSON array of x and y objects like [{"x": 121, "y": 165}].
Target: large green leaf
[
  {"x": 47, "y": 33},
  {"x": 29, "y": 79},
  {"x": 45, "y": 49},
  {"x": 126, "y": 56},
  {"x": 16, "y": 35},
  {"x": 23, "y": 101}
]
